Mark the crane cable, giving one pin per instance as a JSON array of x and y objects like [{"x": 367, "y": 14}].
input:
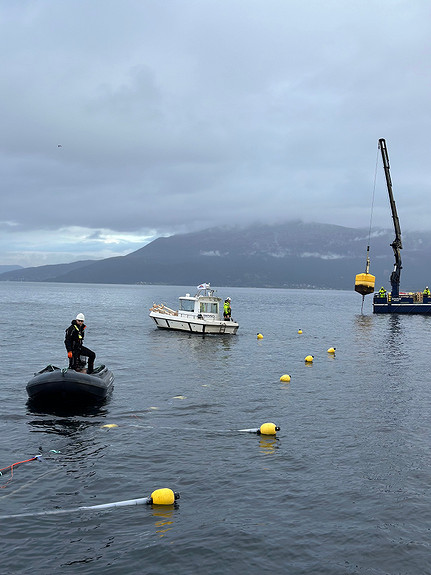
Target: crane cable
[
  {"x": 372, "y": 201},
  {"x": 367, "y": 266}
]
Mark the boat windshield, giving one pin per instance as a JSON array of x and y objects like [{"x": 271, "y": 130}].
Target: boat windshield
[
  {"x": 208, "y": 307},
  {"x": 187, "y": 304}
]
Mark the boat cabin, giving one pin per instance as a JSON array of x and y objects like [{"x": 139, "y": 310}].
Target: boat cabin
[{"x": 204, "y": 306}]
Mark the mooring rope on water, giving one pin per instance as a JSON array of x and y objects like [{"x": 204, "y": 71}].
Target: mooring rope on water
[
  {"x": 11, "y": 467},
  {"x": 163, "y": 496},
  {"x": 265, "y": 429},
  {"x": 50, "y": 471}
]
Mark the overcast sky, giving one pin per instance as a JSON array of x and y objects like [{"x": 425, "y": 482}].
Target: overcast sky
[{"x": 125, "y": 120}]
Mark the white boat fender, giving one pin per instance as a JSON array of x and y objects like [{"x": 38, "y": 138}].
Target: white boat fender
[{"x": 264, "y": 429}]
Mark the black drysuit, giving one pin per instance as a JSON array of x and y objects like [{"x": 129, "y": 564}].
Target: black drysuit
[{"x": 73, "y": 342}]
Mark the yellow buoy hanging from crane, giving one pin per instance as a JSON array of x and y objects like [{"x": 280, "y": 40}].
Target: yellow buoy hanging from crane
[{"x": 365, "y": 282}]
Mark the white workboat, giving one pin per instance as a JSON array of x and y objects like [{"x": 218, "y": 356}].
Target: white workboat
[{"x": 201, "y": 313}]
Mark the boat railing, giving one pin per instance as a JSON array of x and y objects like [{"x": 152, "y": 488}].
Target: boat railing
[{"x": 205, "y": 292}]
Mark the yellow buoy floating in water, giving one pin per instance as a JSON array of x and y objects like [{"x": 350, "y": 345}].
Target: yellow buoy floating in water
[
  {"x": 259, "y": 336},
  {"x": 285, "y": 377},
  {"x": 110, "y": 425},
  {"x": 299, "y": 330},
  {"x": 163, "y": 497},
  {"x": 268, "y": 429},
  {"x": 309, "y": 359},
  {"x": 331, "y": 350}
]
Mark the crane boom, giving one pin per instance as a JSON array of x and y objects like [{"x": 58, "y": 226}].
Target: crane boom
[{"x": 396, "y": 244}]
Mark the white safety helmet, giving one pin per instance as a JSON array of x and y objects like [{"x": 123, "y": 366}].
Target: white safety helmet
[
  {"x": 80, "y": 316},
  {"x": 228, "y": 299}
]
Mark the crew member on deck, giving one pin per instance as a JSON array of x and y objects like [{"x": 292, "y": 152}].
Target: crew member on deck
[
  {"x": 382, "y": 292},
  {"x": 227, "y": 310},
  {"x": 426, "y": 291},
  {"x": 73, "y": 342}
]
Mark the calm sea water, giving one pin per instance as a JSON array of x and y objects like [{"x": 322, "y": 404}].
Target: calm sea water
[{"x": 344, "y": 487}]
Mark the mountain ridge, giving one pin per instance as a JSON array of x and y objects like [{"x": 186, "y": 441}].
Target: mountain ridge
[{"x": 293, "y": 254}]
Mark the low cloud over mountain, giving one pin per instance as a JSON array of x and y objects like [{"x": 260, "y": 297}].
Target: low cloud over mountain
[{"x": 291, "y": 255}]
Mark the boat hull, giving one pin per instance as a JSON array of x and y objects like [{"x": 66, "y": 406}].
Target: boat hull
[
  {"x": 402, "y": 305},
  {"x": 64, "y": 386},
  {"x": 192, "y": 325}
]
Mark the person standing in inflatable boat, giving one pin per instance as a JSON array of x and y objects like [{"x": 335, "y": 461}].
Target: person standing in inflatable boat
[{"x": 74, "y": 344}]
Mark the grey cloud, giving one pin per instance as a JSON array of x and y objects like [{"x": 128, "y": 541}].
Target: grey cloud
[{"x": 179, "y": 116}]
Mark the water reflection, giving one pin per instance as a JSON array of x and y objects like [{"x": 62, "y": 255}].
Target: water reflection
[
  {"x": 166, "y": 344},
  {"x": 363, "y": 328},
  {"x": 71, "y": 444},
  {"x": 62, "y": 421},
  {"x": 394, "y": 324},
  {"x": 268, "y": 444},
  {"x": 70, "y": 410},
  {"x": 393, "y": 345},
  {"x": 67, "y": 427},
  {"x": 364, "y": 321},
  {"x": 165, "y": 523}
]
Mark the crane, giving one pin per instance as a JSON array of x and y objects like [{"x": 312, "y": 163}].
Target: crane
[{"x": 396, "y": 245}]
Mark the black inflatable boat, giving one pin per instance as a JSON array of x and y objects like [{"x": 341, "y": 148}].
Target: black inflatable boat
[{"x": 53, "y": 384}]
